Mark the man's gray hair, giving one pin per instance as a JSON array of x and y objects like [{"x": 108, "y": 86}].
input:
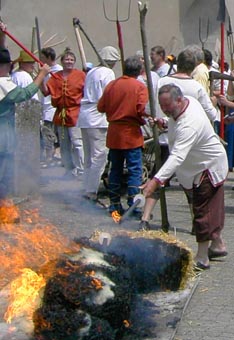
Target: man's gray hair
[
  {"x": 174, "y": 91},
  {"x": 197, "y": 52}
]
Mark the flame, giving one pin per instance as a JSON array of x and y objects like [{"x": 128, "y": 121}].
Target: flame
[
  {"x": 97, "y": 283},
  {"x": 27, "y": 246},
  {"x": 24, "y": 292},
  {"x": 8, "y": 212},
  {"x": 126, "y": 323},
  {"x": 116, "y": 216}
]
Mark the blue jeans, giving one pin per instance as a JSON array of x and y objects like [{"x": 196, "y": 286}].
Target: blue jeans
[{"x": 133, "y": 159}]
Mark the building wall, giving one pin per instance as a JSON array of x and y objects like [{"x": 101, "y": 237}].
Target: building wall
[
  {"x": 56, "y": 17},
  {"x": 207, "y": 11},
  {"x": 171, "y": 23}
]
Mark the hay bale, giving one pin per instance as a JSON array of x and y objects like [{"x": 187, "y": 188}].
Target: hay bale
[
  {"x": 158, "y": 261},
  {"x": 89, "y": 296}
]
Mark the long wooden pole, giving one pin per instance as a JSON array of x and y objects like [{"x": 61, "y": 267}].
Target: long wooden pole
[
  {"x": 102, "y": 62},
  {"x": 38, "y": 36},
  {"x": 143, "y": 11},
  {"x": 222, "y": 110},
  {"x": 79, "y": 43}
]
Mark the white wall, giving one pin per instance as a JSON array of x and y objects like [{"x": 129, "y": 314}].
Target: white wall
[{"x": 56, "y": 17}]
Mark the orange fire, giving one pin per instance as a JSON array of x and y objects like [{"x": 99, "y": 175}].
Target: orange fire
[
  {"x": 126, "y": 323},
  {"x": 28, "y": 244},
  {"x": 8, "y": 212},
  {"x": 116, "y": 216},
  {"x": 24, "y": 292}
]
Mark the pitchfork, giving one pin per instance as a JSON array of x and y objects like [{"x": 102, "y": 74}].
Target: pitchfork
[
  {"x": 203, "y": 40},
  {"x": 230, "y": 43},
  {"x": 117, "y": 19}
]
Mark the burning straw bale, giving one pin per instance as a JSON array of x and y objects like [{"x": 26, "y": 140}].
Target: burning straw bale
[
  {"x": 158, "y": 261},
  {"x": 88, "y": 298}
]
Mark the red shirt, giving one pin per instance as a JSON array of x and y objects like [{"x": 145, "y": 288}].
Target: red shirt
[
  {"x": 66, "y": 94},
  {"x": 124, "y": 101}
]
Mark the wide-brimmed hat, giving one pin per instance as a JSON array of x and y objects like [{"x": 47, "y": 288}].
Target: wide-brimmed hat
[
  {"x": 109, "y": 53},
  {"x": 5, "y": 57},
  {"x": 24, "y": 57}
]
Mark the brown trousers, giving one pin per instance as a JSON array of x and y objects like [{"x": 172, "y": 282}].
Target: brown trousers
[{"x": 208, "y": 209}]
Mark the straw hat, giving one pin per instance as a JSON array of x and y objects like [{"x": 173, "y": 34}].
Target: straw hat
[{"x": 24, "y": 57}]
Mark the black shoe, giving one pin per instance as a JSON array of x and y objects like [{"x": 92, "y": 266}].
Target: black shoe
[
  {"x": 200, "y": 266},
  {"x": 144, "y": 226},
  {"x": 213, "y": 254}
]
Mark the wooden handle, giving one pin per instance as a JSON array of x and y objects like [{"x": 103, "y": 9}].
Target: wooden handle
[{"x": 80, "y": 46}]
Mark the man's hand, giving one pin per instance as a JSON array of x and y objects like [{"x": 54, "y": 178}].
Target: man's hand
[
  {"x": 161, "y": 123},
  {"x": 149, "y": 187},
  {"x": 229, "y": 119},
  {"x": 223, "y": 100}
]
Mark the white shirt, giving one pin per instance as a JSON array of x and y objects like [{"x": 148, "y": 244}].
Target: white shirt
[
  {"x": 194, "y": 148},
  {"x": 189, "y": 87},
  {"x": 47, "y": 109},
  {"x": 95, "y": 82},
  {"x": 146, "y": 129},
  {"x": 6, "y": 85},
  {"x": 23, "y": 79},
  {"x": 155, "y": 78},
  {"x": 163, "y": 70}
]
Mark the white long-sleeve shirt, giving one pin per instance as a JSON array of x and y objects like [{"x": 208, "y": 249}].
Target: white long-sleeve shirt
[
  {"x": 194, "y": 148},
  {"x": 95, "y": 82},
  {"x": 189, "y": 87},
  {"x": 23, "y": 79}
]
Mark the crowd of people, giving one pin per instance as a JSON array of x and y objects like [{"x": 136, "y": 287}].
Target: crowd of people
[{"x": 97, "y": 119}]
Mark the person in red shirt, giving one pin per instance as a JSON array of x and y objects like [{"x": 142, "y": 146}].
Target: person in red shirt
[
  {"x": 124, "y": 101},
  {"x": 66, "y": 90}
]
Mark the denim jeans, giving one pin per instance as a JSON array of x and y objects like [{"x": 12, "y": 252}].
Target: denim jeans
[{"x": 133, "y": 160}]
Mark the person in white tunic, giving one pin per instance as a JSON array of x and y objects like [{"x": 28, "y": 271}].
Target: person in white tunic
[
  {"x": 185, "y": 64},
  {"x": 146, "y": 129},
  {"x": 23, "y": 75},
  {"x": 48, "y": 56},
  {"x": 93, "y": 124},
  {"x": 200, "y": 162},
  {"x": 158, "y": 60}
]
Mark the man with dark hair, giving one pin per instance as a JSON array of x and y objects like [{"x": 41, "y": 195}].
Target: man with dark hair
[
  {"x": 124, "y": 101},
  {"x": 199, "y": 160},
  {"x": 49, "y": 137},
  {"x": 158, "y": 60}
]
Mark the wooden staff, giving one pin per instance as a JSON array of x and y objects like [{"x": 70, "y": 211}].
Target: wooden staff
[
  {"x": 143, "y": 11},
  {"x": 79, "y": 43},
  {"x": 102, "y": 62},
  {"x": 38, "y": 37}
]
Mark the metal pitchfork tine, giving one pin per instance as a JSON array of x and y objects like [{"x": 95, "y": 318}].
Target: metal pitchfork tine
[
  {"x": 203, "y": 41},
  {"x": 118, "y": 26}
]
